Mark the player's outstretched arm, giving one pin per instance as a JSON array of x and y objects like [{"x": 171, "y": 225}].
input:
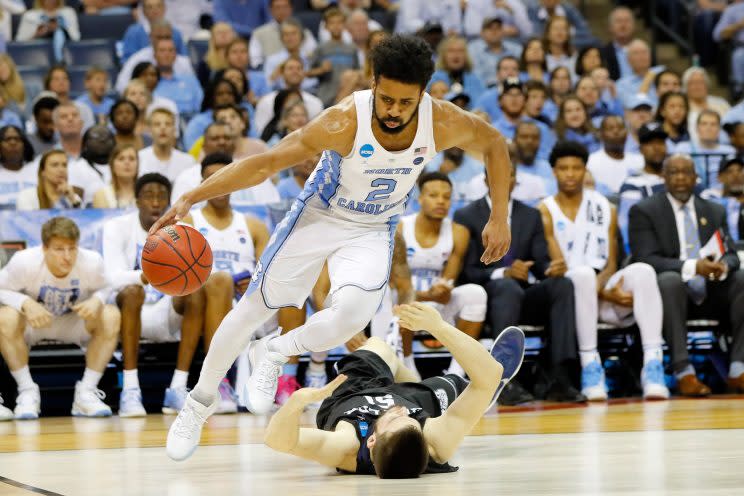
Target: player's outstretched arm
[
  {"x": 333, "y": 129},
  {"x": 330, "y": 448},
  {"x": 445, "y": 433},
  {"x": 478, "y": 138}
]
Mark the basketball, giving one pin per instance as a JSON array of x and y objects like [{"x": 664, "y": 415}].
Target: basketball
[{"x": 176, "y": 260}]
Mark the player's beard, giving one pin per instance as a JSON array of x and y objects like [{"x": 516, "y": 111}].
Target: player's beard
[{"x": 394, "y": 130}]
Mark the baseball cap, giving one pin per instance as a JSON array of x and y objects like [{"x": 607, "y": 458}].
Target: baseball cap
[
  {"x": 651, "y": 131},
  {"x": 491, "y": 20},
  {"x": 737, "y": 160},
  {"x": 511, "y": 83},
  {"x": 639, "y": 100}
]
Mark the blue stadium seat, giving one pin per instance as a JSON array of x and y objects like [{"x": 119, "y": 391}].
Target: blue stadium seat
[
  {"x": 33, "y": 79},
  {"x": 31, "y": 52},
  {"x": 104, "y": 26},
  {"x": 98, "y": 52},
  {"x": 197, "y": 49},
  {"x": 310, "y": 19}
]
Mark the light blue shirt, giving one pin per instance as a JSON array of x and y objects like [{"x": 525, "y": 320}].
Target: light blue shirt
[
  {"x": 734, "y": 13},
  {"x": 102, "y": 108},
  {"x": 471, "y": 84},
  {"x": 622, "y": 61},
  {"x": 460, "y": 176},
  {"x": 184, "y": 90},
  {"x": 736, "y": 114},
  {"x": 540, "y": 168},
  {"x": 288, "y": 188},
  {"x": 243, "y": 15},
  {"x": 485, "y": 60},
  {"x": 627, "y": 88}
]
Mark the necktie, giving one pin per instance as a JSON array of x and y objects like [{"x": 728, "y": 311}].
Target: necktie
[{"x": 696, "y": 285}]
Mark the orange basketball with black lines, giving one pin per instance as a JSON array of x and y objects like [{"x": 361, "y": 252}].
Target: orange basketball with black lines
[{"x": 176, "y": 260}]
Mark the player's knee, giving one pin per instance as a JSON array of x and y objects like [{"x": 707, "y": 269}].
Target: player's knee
[
  {"x": 110, "y": 322},
  {"x": 474, "y": 294},
  {"x": 583, "y": 277},
  {"x": 131, "y": 297},
  {"x": 10, "y": 322},
  {"x": 353, "y": 311},
  {"x": 219, "y": 285},
  {"x": 643, "y": 273}
]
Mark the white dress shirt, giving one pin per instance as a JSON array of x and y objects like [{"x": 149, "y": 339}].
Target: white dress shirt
[{"x": 689, "y": 265}]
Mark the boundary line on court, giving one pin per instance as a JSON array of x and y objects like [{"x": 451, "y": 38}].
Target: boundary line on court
[{"x": 33, "y": 489}]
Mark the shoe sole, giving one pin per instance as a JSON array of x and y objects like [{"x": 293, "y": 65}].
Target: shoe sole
[
  {"x": 80, "y": 413},
  {"x": 27, "y": 416},
  {"x": 132, "y": 415},
  {"x": 169, "y": 411},
  {"x": 505, "y": 380}
]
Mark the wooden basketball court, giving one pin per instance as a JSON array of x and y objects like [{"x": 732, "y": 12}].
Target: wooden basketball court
[{"x": 679, "y": 447}]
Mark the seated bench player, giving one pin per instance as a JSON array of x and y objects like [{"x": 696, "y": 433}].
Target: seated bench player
[
  {"x": 370, "y": 424},
  {"x": 57, "y": 291},
  {"x": 237, "y": 241},
  {"x": 148, "y": 313},
  {"x": 581, "y": 229}
]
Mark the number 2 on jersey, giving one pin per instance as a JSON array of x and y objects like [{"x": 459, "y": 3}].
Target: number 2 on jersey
[{"x": 384, "y": 188}]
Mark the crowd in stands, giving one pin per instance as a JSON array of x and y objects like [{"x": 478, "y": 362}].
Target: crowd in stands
[{"x": 193, "y": 84}]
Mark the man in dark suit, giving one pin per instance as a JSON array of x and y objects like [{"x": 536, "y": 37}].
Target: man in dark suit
[
  {"x": 622, "y": 28},
  {"x": 667, "y": 231},
  {"x": 525, "y": 287}
]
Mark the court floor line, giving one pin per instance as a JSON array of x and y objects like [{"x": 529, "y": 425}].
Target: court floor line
[{"x": 26, "y": 487}]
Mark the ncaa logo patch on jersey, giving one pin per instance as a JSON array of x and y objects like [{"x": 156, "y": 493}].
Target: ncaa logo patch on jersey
[
  {"x": 418, "y": 160},
  {"x": 560, "y": 225},
  {"x": 367, "y": 150},
  {"x": 242, "y": 240}
]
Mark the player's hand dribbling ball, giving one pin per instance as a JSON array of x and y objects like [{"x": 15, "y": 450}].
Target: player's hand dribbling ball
[{"x": 176, "y": 260}]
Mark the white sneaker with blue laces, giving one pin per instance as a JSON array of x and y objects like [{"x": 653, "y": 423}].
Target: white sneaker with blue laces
[
  {"x": 508, "y": 350},
  {"x": 88, "y": 402},
  {"x": 593, "y": 384},
  {"x": 652, "y": 379}
]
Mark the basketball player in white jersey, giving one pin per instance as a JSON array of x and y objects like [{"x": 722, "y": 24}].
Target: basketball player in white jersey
[
  {"x": 57, "y": 291},
  {"x": 236, "y": 241},
  {"x": 148, "y": 313},
  {"x": 581, "y": 229},
  {"x": 435, "y": 248},
  {"x": 374, "y": 144}
]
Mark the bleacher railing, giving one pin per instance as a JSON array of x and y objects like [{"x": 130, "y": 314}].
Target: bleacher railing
[{"x": 683, "y": 38}]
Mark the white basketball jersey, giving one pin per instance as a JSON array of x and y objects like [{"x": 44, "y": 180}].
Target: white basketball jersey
[
  {"x": 232, "y": 247},
  {"x": 371, "y": 185},
  {"x": 585, "y": 240},
  {"x": 426, "y": 264}
]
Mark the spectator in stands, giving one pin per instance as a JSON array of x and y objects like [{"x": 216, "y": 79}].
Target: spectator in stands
[
  {"x": 588, "y": 92},
  {"x": 16, "y": 173},
  {"x": 145, "y": 79},
  {"x": 507, "y": 68},
  {"x": 141, "y": 98},
  {"x": 611, "y": 164},
  {"x": 53, "y": 189},
  {"x": 614, "y": 53},
  {"x": 639, "y": 59},
  {"x": 735, "y": 133},
  {"x": 415, "y": 14},
  {"x": 8, "y": 9},
  {"x": 69, "y": 127},
  {"x": 456, "y": 69},
  {"x": 215, "y": 59},
  {"x": 527, "y": 138},
  {"x": 731, "y": 27},
  {"x": 667, "y": 231},
  {"x": 363, "y": 38},
  {"x": 573, "y": 123},
  {"x": 266, "y": 39},
  {"x": 293, "y": 116},
  {"x": 218, "y": 138},
  {"x": 147, "y": 313},
  {"x": 672, "y": 115},
  {"x": 540, "y": 13},
  {"x": 219, "y": 92},
  {"x": 588, "y": 59},
  {"x": 237, "y": 58},
  {"x": 332, "y": 58},
  {"x": 558, "y": 46},
  {"x": 532, "y": 63},
  {"x": 91, "y": 171},
  {"x": 525, "y": 287},
  {"x": 730, "y": 194},
  {"x": 649, "y": 180},
  {"x": 137, "y": 35},
  {"x": 580, "y": 230},
  {"x": 183, "y": 89},
  {"x": 107, "y": 7},
  {"x": 663, "y": 80},
  {"x": 486, "y": 51},
  {"x": 96, "y": 85},
  {"x": 243, "y": 16},
  {"x": 57, "y": 291},
  {"x": 291, "y": 35},
  {"x": 537, "y": 95},
  {"x": 160, "y": 30},
  {"x": 43, "y": 138},
  {"x": 237, "y": 119},
  {"x": 353, "y": 5},
  {"x": 291, "y": 186},
  {"x": 637, "y": 113},
  {"x": 162, "y": 156},
  {"x": 696, "y": 85},
  {"x": 11, "y": 83},
  {"x": 512, "y": 13},
  {"x": 707, "y": 152},
  {"x": 560, "y": 88},
  {"x": 119, "y": 192},
  {"x": 8, "y": 116},
  {"x": 607, "y": 90},
  {"x": 57, "y": 80},
  {"x": 123, "y": 116},
  {"x": 293, "y": 75},
  {"x": 50, "y": 19},
  {"x": 460, "y": 168},
  {"x": 238, "y": 79}
]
